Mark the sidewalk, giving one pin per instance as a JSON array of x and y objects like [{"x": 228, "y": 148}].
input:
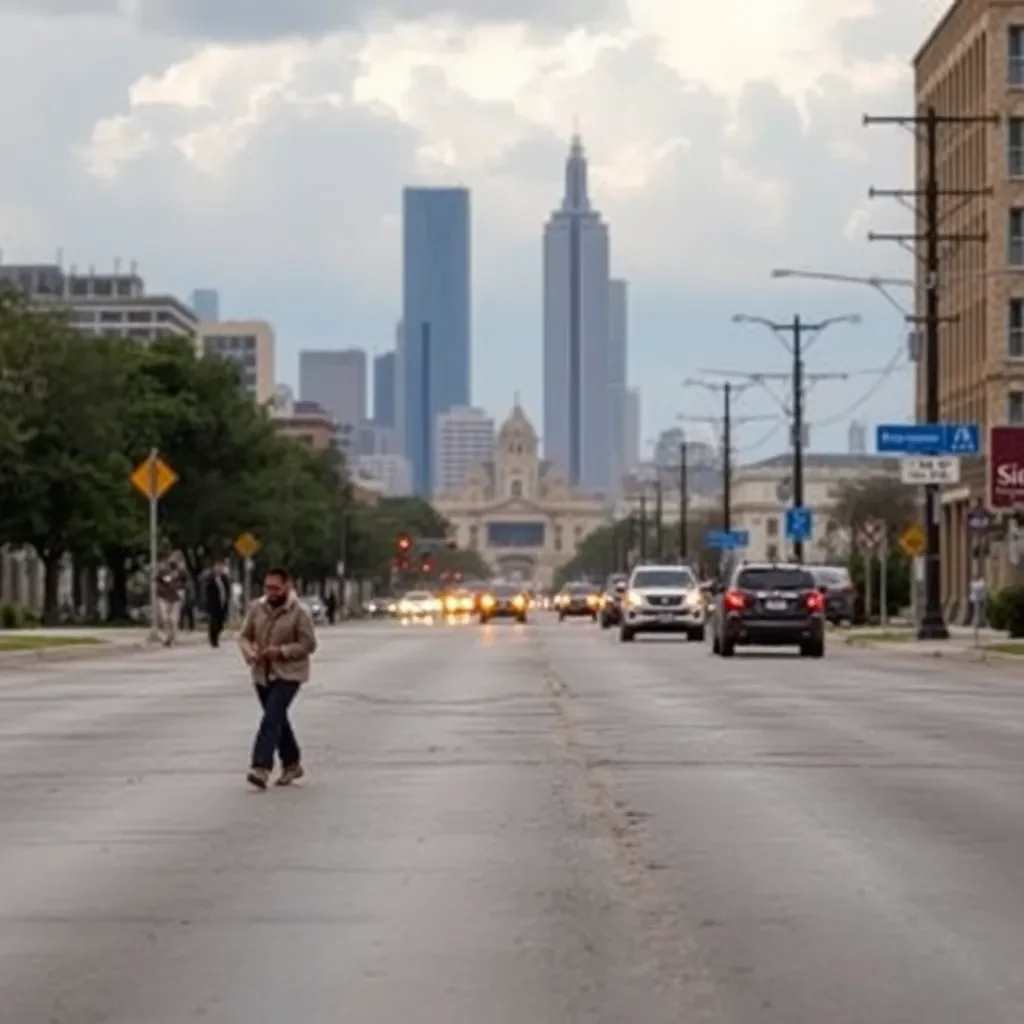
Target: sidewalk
[
  {"x": 18, "y": 646},
  {"x": 989, "y": 646}
]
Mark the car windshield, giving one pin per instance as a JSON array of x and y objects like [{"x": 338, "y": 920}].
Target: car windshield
[
  {"x": 504, "y": 590},
  {"x": 580, "y": 589},
  {"x": 646, "y": 578},
  {"x": 775, "y": 578},
  {"x": 417, "y": 595},
  {"x": 832, "y": 577}
]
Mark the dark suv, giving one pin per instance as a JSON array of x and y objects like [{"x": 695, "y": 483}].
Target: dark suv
[
  {"x": 840, "y": 596},
  {"x": 770, "y": 606}
]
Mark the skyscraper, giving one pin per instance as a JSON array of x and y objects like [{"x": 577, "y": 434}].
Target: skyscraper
[
  {"x": 577, "y": 392},
  {"x": 384, "y": 389},
  {"x": 465, "y": 439},
  {"x": 336, "y": 380},
  {"x": 618, "y": 354},
  {"x": 206, "y": 303},
  {"x": 435, "y": 362}
]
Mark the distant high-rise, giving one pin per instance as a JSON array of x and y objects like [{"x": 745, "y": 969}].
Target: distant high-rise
[
  {"x": 465, "y": 439},
  {"x": 384, "y": 389},
  {"x": 206, "y": 303},
  {"x": 618, "y": 359},
  {"x": 250, "y": 345},
  {"x": 858, "y": 438},
  {"x": 336, "y": 380},
  {"x": 435, "y": 359},
  {"x": 577, "y": 391},
  {"x": 632, "y": 428}
]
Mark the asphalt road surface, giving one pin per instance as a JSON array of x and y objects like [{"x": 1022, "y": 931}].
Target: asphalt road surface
[{"x": 515, "y": 826}]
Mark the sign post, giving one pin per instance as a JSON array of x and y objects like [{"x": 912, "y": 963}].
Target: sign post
[
  {"x": 247, "y": 546},
  {"x": 153, "y": 478},
  {"x": 870, "y": 538}
]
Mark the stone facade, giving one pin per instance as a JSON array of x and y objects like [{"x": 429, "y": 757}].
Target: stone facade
[{"x": 518, "y": 511}]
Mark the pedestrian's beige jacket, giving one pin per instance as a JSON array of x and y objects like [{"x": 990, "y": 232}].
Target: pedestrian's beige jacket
[{"x": 290, "y": 628}]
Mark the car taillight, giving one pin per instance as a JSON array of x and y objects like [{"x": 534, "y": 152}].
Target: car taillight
[
  {"x": 815, "y": 602},
  {"x": 735, "y": 601}
]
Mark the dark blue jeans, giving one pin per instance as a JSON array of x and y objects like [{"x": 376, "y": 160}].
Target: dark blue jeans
[{"x": 275, "y": 732}]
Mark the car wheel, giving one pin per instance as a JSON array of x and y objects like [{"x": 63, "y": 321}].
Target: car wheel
[
  {"x": 484, "y": 619},
  {"x": 561, "y": 617},
  {"x": 605, "y": 624},
  {"x": 727, "y": 649},
  {"x": 817, "y": 650},
  {"x": 696, "y": 636},
  {"x": 626, "y": 636},
  {"x": 521, "y": 619}
]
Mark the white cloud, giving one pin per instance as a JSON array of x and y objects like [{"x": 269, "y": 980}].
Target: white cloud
[{"x": 724, "y": 139}]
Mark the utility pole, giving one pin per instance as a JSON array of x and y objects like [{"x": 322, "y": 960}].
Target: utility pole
[
  {"x": 684, "y": 504},
  {"x": 659, "y": 526},
  {"x": 729, "y": 391},
  {"x": 643, "y": 526},
  {"x": 932, "y": 624},
  {"x": 797, "y": 330},
  {"x": 727, "y": 457}
]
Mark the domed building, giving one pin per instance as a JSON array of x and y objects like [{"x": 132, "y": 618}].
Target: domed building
[{"x": 518, "y": 511}]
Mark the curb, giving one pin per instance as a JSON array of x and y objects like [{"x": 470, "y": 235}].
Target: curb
[
  {"x": 84, "y": 652},
  {"x": 977, "y": 656}
]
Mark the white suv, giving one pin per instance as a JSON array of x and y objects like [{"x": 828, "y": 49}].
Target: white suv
[{"x": 662, "y": 599}]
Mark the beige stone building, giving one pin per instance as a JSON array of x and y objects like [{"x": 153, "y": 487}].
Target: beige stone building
[
  {"x": 518, "y": 511},
  {"x": 250, "y": 345},
  {"x": 760, "y": 496},
  {"x": 973, "y": 63}
]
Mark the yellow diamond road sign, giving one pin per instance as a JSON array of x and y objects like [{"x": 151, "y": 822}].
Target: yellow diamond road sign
[
  {"x": 247, "y": 545},
  {"x": 153, "y": 477},
  {"x": 913, "y": 541}
]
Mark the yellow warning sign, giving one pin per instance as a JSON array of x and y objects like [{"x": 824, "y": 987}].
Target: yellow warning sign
[
  {"x": 153, "y": 478},
  {"x": 247, "y": 545},
  {"x": 913, "y": 541}
]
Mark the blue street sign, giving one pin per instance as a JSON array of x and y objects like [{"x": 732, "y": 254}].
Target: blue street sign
[
  {"x": 799, "y": 524},
  {"x": 728, "y": 540},
  {"x": 928, "y": 439}
]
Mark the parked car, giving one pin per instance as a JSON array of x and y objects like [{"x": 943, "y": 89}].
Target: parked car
[{"x": 837, "y": 588}]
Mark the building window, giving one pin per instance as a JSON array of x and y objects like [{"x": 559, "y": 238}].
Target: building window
[
  {"x": 1015, "y": 329},
  {"x": 773, "y": 552},
  {"x": 1015, "y": 237},
  {"x": 110, "y": 317},
  {"x": 772, "y": 527},
  {"x": 517, "y": 488},
  {"x": 1015, "y": 55},
  {"x": 1015, "y": 408},
  {"x": 1015, "y": 147}
]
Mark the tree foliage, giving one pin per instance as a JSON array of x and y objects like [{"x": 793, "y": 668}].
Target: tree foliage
[
  {"x": 78, "y": 412},
  {"x": 615, "y": 546},
  {"x": 880, "y": 498}
]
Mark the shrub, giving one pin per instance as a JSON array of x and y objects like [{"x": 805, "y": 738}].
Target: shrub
[
  {"x": 1010, "y": 602},
  {"x": 12, "y": 616}
]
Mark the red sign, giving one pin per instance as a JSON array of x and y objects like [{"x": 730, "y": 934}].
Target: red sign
[{"x": 1006, "y": 467}]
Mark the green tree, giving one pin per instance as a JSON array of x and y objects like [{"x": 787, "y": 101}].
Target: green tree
[
  {"x": 67, "y": 438},
  {"x": 881, "y": 498}
]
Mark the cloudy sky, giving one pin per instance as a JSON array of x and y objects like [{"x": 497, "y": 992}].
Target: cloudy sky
[{"x": 260, "y": 147}]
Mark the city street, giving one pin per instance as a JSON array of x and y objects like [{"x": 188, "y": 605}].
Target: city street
[{"x": 515, "y": 825}]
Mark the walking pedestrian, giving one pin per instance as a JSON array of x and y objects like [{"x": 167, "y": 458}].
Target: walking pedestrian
[
  {"x": 277, "y": 641},
  {"x": 171, "y": 587},
  {"x": 331, "y": 607},
  {"x": 217, "y": 600}
]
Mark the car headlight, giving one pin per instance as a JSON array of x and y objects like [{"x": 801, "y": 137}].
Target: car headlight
[
  {"x": 451, "y": 605},
  {"x": 694, "y": 599},
  {"x": 404, "y": 608},
  {"x": 634, "y": 599},
  {"x": 519, "y": 601},
  {"x": 487, "y": 601}
]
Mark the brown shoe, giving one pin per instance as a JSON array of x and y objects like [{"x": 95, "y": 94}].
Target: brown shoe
[
  {"x": 258, "y": 777},
  {"x": 291, "y": 774}
]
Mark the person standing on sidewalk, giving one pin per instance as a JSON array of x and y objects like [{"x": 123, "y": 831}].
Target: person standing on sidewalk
[
  {"x": 171, "y": 587},
  {"x": 217, "y": 600},
  {"x": 277, "y": 640}
]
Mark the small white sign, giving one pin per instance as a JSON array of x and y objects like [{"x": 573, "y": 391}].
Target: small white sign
[{"x": 922, "y": 470}]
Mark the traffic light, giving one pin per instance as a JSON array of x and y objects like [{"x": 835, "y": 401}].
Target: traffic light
[{"x": 404, "y": 543}]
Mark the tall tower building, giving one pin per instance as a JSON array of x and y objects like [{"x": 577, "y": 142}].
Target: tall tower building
[
  {"x": 384, "y": 389},
  {"x": 336, "y": 381},
  {"x": 577, "y": 391},
  {"x": 435, "y": 346},
  {"x": 465, "y": 439},
  {"x": 618, "y": 358},
  {"x": 858, "y": 438}
]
